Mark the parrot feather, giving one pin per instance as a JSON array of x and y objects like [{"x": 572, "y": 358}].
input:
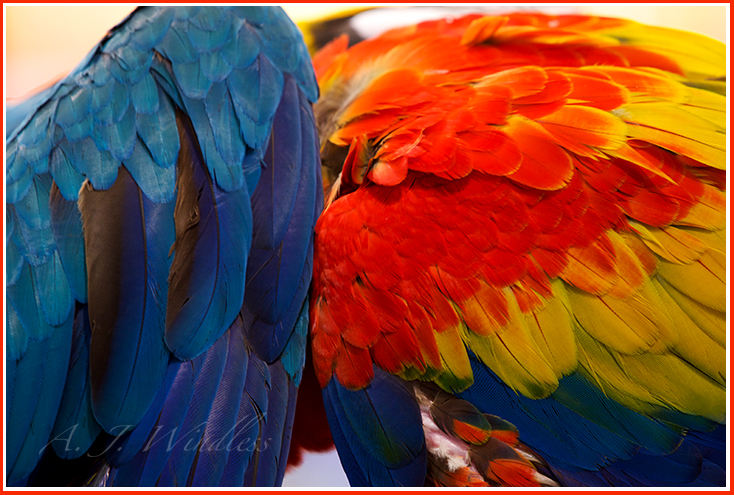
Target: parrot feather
[
  {"x": 208, "y": 220},
  {"x": 128, "y": 322},
  {"x": 528, "y": 211}
]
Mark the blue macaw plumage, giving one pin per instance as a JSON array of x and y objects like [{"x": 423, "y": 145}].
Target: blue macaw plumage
[
  {"x": 161, "y": 214},
  {"x": 160, "y": 208}
]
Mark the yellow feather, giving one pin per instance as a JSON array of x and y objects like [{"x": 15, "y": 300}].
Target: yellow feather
[
  {"x": 671, "y": 127},
  {"x": 483, "y": 311},
  {"x": 458, "y": 374},
  {"x": 633, "y": 325},
  {"x": 515, "y": 357},
  {"x": 707, "y": 105},
  {"x": 709, "y": 212},
  {"x": 648, "y": 381},
  {"x": 697, "y": 55},
  {"x": 712, "y": 322},
  {"x": 715, "y": 240},
  {"x": 670, "y": 243},
  {"x": 552, "y": 330},
  {"x": 694, "y": 345},
  {"x": 628, "y": 266},
  {"x": 703, "y": 280}
]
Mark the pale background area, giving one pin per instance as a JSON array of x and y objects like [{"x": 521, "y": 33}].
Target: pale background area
[{"x": 45, "y": 42}]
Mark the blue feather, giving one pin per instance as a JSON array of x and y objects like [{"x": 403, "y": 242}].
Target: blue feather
[
  {"x": 208, "y": 20},
  {"x": 294, "y": 354},
  {"x": 241, "y": 50},
  {"x": 159, "y": 132},
  {"x": 149, "y": 26},
  {"x": 284, "y": 218},
  {"x": 712, "y": 444},
  {"x": 221, "y": 424},
  {"x": 157, "y": 183},
  {"x": 147, "y": 464},
  {"x": 577, "y": 394},
  {"x": 127, "y": 445},
  {"x": 32, "y": 210},
  {"x": 30, "y": 415},
  {"x": 66, "y": 224},
  {"x": 127, "y": 241},
  {"x": 126, "y": 65},
  {"x": 213, "y": 236},
  {"x": 66, "y": 177},
  {"x": 277, "y": 33},
  {"x": 285, "y": 161},
  {"x": 176, "y": 46},
  {"x": 263, "y": 467},
  {"x": 224, "y": 125},
  {"x": 353, "y": 468},
  {"x": 75, "y": 427},
  {"x": 176, "y": 471},
  {"x": 209, "y": 29},
  {"x": 114, "y": 109},
  {"x": 15, "y": 165},
  {"x": 73, "y": 108},
  {"x": 53, "y": 290},
  {"x": 192, "y": 81},
  {"x": 16, "y": 338},
  {"x": 37, "y": 137},
  {"x": 117, "y": 138},
  {"x": 26, "y": 302},
  {"x": 214, "y": 66},
  {"x": 252, "y": 411},
  {"x": 18, "y": 188},
  {"x": 256, "y": 91},
  {"x": 102, "y": 92},
  {"x": 228, "y": 176},
  {"x": 79, "y": 130},
  {"x": 98, "y": 166},
  {"x": 36, "y": 246},
  {"x": 285, "y": 443},
  {"x": 145, "y": 95},
  {"x": 380, "y": 426},
  {"x": 13, "y": 259}
]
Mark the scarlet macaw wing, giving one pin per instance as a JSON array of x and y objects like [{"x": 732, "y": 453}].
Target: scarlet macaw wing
[
  {"x": 530, "y": 213},
  {"x": 160, "y": 210}
]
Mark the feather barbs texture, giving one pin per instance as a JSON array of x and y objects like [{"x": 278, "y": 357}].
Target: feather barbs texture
[
  {"x": 130, "y": 186},
  {"x": 544, "y": 192}
]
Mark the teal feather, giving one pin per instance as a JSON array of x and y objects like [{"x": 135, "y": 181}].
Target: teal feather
[
  {"x": 159, "y": 132},
  {"x": 66, "y": 224},
  {"x": 145, "y": 95}
]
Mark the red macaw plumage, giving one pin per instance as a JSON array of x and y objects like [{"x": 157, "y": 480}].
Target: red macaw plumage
[{"x": 526, "y": 225}]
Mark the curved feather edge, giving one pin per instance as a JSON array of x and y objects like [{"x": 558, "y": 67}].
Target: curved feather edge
[
  {"x": 377, "y": 432},
  {"x": 127, "y": 241}
]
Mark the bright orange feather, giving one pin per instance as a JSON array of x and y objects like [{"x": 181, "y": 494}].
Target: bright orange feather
[{"x": 487, "y": 159}]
